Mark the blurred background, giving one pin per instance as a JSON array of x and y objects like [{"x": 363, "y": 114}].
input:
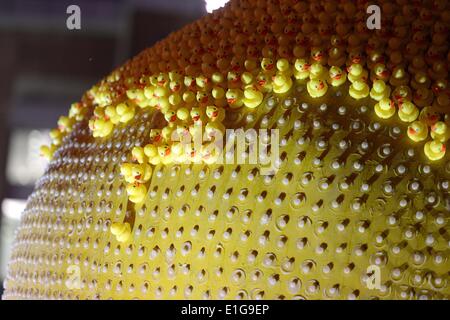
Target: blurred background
[{"x": 44, "y": 67}]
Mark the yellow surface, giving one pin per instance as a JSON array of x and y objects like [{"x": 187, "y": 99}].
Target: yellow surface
[{"x": 353, "y": 191}]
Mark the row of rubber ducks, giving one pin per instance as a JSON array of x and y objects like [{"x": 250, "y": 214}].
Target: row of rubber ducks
[{"x": 172, "y": 91}]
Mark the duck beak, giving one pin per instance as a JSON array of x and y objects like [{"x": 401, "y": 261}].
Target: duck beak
[{"x": 231, "y": 101}]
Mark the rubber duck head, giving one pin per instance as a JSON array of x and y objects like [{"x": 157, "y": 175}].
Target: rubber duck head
[
  {"x": 202, "y": 81},
  {"x": 355, "y": 69},
  {"x": 233, "y": 95},
  {"x": 267, "y": 64},
  {"x": 195, "y": 114},
  {"x": 283, "y": 65},
  {"x": 316, "y": 69},
  {"x": 170, "y": 116},
  {"x": 164, "y": 150},
  {"x": 212, "y": 112},
  {"x": 263, "y": 80},
  {"x": 162, "y": 79},
  {"x": 155, "y": 135},
  {"x": 301, "y": 65},
  {"x": 417, "y": 131},
  {"x": 429, "y": 115},
  {"x": 202, "y": 97},
  {"x": 233, "y": 77},
  {"x": 175, "y": 75},
  {"x": 189, "y": 81},
  {"x": 381, "y": 71},
  {"x": 182, "y": 114},
  {"x": 402, "y": 93},
  {"x": 336, "y": 73},
  {"x": 175, "y": 85},
  {"x": 318, "y": 54},
  {"x": 439, "y": 128},
  {"x": 217, "y": 78}
]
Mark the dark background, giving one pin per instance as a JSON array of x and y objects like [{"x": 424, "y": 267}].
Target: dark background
[{"x": 44, "y": 67}]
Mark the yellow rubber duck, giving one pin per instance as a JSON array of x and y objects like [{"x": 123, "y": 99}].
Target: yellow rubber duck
[
  {"x": 440, "y": 131},
  {"x": 47, "y": 151},
  {"x": 252, "y": 97},
  {"x": 165, "y": 153},
  {"x": 284, "y": 67},
  {"x": 399, "y": 77},
  {"x": 214, "y": 129},
  {"x": 234, "y": 79},
  {"x": 358, "y": 89},
  {"x": 316, "y": 88},
  {"x": 356, "y": 73},
  {"x": 167, "y": 131},
  {"x": 100, "y": 127},
  {"x": 125, "y": 111},
  {"x": 402, "y": 93},
  {"x": 379, "y": 72},
  {"x": 122, "y": 231},
  {"x": 175, "y": 76},
  {"x": 337, "y": 77},
  {"x": 434, "y": 150},
  {"x": 281, "y": 83},
  {"x": 407, "y": 111},
  {"x": 174, "y": 86},
  {"x": 111, "y": 113},
  {"x": 336, "y": 56},
  {"x": 174, "y": 100},
  {"x": 136, "y": 192},
  {"x": 77, "y": 111},
  {"x": 250, "y": 65},
  {"x": 188, "y": 97},
  {"x": 202, "y": 82},
  {"x": 65, "y": 124},
  {"x": 247, "y": 78},
  {"x": 420, "y": 80},
  {"x": 264, "y": 82},
  {"x": 182, "y": 131},
  {"x": 234, "y": 98},
  {"x": 189, "y": 82},
  {"x": 139, "y": 155},
  {"x": 179, "y": 152},
  {"x": 56, "y": 136},
  {"x": 218, "y": 93},
  {"x": 302, "y": 68},
  {"x": 134, "y": 172},
  {"x": 379, "y": 90},
  {"x": 171, "y": 116},
  {"x": 215, "y": 114},
  {"x": 182, "y": 114},
  {"x": 318, "y": 71},
  {"x": 151, "y": 151},
  {"x": 319, "y": 55},
  {"x": 418, "y": 131},
  {"x": 385, "y": 108},
  {"x": 429, "y": 115},
  {"x": 268, "y": 65},
  {"x": 155, "y": 136},
  {"x": 203, "y": 97},
  {"x": 197, "y": 115}
]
